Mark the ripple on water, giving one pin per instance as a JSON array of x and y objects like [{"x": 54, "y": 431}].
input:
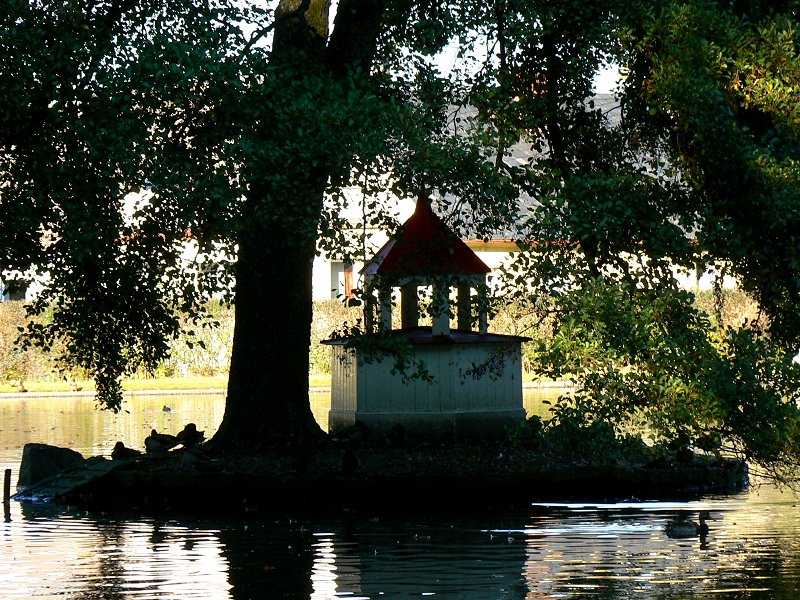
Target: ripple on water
[
  {"x": 555, "y": 550},
  {"x": 607, "y": 551},
  {"x": 81, "y": 557}
]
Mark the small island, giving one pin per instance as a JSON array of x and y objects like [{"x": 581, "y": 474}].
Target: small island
[{"x": 357, "y": 472}]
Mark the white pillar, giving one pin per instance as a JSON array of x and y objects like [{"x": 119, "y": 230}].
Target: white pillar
[
  {"x": 369, "y": 309},
  {"x": 483, "y": 319},
  {"x": 440, "y": 309},
  {"x": 409, "y": 305},
  {"x": 385, "y": 299},
  {"x": 464, "y": 306}
]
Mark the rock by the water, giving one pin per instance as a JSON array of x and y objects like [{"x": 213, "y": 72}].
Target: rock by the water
[{"x": 40, "y": 461}]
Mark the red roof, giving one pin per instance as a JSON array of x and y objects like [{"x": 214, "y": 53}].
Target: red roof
[{"x": 424, "y": 245}]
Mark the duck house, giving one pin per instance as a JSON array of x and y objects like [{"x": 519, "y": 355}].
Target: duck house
[{"x": 470, "y": 383}]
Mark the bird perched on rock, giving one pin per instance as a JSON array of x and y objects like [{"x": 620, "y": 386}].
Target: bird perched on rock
[
  {"x": 190, "y": 437},
  {"x": 160, "y": 442},
  {"x": 121, "y": 452}
]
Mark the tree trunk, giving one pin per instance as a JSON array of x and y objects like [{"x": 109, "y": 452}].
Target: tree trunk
[{"x": 267, "y": 404}]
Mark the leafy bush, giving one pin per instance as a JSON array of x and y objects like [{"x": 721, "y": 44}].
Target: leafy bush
[
  {"x": 329, "y": 317},
  {"x": 650, "y": 361},
  {"x": 201, "y": 349},
  {"x": 526, "y": 434},
  {"x": 204, "y": 348},
  {"x": 18, "y": 365}
]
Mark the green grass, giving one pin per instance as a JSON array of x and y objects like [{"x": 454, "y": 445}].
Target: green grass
[
  {"x": 319, "y": 380},
  {"x": 169, "y": 383},
  {"x": 531, "y": 377},
  {"x": 158, "y": 384}
]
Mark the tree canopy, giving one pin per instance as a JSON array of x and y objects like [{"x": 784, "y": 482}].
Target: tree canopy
[{"x": 244, "y": 122}]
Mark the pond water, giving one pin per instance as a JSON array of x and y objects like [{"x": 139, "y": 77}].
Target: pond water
[{"x": 544, "y": 551}]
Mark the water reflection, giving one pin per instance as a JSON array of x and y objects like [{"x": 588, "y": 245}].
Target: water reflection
[
  {"x": 547, "y": 551},
  {"x": 623, "y": 550},
  {"x": 74, "y": 422},
  {"x": 56, "y": 552},
  {"x": 450, "y": 559}
]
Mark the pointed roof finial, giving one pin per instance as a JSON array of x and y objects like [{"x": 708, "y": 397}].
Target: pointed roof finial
[{"x": 425, "y": 245}]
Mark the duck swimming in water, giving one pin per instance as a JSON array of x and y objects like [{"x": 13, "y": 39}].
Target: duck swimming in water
[
  {"x": 160, "y": 442},
  {"x": 681, "y": 527}
]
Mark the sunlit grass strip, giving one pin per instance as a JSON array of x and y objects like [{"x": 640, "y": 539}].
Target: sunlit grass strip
[{"x": 219, "y": 382}]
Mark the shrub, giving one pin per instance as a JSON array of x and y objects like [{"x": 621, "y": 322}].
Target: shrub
[
  {"x": 329, "y": 316},
  {"x": 15, "y": 364}
]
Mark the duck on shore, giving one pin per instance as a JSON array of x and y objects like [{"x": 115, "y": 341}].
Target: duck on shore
[
  {"x": 122, "y": 452},
  {"x": 682, "y": 527},
  {"x": 189, "y": 437},
  {"x": 160, "y": 442}
]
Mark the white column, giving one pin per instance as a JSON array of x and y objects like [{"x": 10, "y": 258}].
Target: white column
[
  {"x": 464, "y": 306},
  {"x": 369, "y": 309},
  {"x": 483, "y": 320},
  {"x": 440, "y": 308},
  {"x": 409, "y": 305},
  {"x": 385, "y": 294}
]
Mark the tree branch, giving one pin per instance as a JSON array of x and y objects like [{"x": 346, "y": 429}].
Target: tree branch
[
  {"x": 355, "y": 34},
  {"x": 293, "y": 28}
]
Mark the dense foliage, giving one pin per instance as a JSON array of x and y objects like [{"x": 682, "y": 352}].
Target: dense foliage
[
  {"x": 244, "y": 123},
  {"x": 697, "y": 171}
]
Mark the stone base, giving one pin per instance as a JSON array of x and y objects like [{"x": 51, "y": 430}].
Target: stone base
[{"x": 464, "y": 426}]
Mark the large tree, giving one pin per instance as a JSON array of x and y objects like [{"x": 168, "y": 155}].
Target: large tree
[
  {"x": 239, "y": 121},
  {"x": 245, "y": 121}
]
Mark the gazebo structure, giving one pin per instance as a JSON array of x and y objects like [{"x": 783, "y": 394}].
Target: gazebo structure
[{"x": 473, "y": 383}]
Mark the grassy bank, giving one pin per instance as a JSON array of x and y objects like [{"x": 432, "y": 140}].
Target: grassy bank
[
  {"x": 203, "y": 361},
  {"x": 138, "y": 385},
  {"x": 163, "y": 383}
]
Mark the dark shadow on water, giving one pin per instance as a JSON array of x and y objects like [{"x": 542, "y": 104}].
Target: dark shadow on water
[{"x": 268, "y": 559}]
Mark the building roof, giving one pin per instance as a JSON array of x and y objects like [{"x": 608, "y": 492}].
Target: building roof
[
  {"x": 425, "y": 245},
  {"x": 423, "y": 336}
]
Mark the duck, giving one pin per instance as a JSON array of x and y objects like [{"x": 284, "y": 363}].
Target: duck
[
  {"x": 189, "y": 437},
  {"x": 681, "y": 527},
  {"x": 160, "y": 442},
  {"x": 121, "y": 452}
]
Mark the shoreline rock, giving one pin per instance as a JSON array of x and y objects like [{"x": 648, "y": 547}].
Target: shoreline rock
[
  {"x": 387, "y": 479},
  {"x": 43, "y": 461}
]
